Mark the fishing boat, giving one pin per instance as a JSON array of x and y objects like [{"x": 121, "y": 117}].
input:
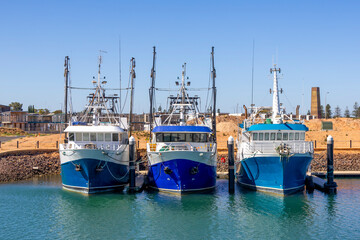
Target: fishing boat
[
  {"x": 182, "y": 152},
  {"x": 95, "y": 155},
  {"x": 272, "y": 154}
]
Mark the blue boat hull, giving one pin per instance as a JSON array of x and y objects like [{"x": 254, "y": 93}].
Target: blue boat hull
[
  {"x": 273, "y": 174},
  {"x": 181, "y": 179},
  {"x": 90, "y": 179}
]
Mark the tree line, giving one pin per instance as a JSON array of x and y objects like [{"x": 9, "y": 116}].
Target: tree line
[
  {"x": 329, "y": 113},
  {"x": 16, "y": 106}
]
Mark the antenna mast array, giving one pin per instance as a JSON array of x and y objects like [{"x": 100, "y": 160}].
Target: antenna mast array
[
  {"x": 276, "y": 102},
  {"x": 66, "y": 75},
  {"x": 151, "y": 90},
  {"x": 213, "y": 77},
  {"x": 133, "y": 76}
]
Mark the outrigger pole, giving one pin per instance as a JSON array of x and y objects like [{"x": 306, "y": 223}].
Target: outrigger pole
[
  {"x": 133, "y": 76},
  {"x": 151, "y": 92},
  {"x": 213, "y": 76},
  {"x": 66, "y": 75}
]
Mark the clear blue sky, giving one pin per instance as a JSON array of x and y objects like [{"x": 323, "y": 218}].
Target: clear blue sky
[{"x": 316, "y": 43}]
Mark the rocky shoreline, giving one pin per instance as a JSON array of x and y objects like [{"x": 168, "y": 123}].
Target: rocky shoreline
[
  {"x": 26, "y": 164},
  {"x": 23, "y": 165}
]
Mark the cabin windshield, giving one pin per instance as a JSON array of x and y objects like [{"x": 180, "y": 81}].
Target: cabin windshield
[{"x": 182, "y": 137}]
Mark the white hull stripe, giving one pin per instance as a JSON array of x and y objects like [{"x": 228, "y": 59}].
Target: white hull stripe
[
  {"x": 270, "y": 188},
  {"x": 87, "y": 188},
  {"x": 180, "y": 191}
]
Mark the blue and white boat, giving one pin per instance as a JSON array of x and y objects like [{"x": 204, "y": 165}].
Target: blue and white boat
[
  {"x": 273, "y": 155},
  {"x": 182, "y": 154},
  {"x": 96, "y": 155}
]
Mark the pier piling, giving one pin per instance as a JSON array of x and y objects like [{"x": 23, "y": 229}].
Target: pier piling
[
  {"x": 230, "y": 144},
  {"x": 330, "y": 185},
  {"x": 132, "y": 187}
]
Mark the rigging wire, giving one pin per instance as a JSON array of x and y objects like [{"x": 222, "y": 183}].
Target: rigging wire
[
  {"x": 207, "y": 93},
  {"x": 69, "y": 87},
  {"x": 127, "y": 92},
  {"x": 292, "y": 107},
  {"x": 176, "y": 90},
  {"x": 94, "y": 88}
]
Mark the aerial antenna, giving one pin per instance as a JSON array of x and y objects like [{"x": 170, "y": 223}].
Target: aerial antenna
[
  {"x": 66, "y": 75},
  {"x": 151, "y": 91},
  {"x": 213, "y": 77},
  {"x": 120, "y": 78},
  {"x": 252, "y": 76},
  {"x": 133, "y": 76}
]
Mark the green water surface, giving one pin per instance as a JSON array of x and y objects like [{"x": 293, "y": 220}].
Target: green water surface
[{"x": 41, "y": 209}]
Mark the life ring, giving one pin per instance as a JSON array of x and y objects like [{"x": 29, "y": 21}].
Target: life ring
[{"x": 223, "y": 160}]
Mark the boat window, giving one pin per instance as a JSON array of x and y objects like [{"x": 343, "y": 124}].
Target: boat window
[
  {"x": 100, "y": 137},
  {"x": 159, "y": 137},
  {"x": 196, "y": 137},
  {"x": 261, "y": 136},
  {"x": 78, "y": 137},
  {"x": 181, "y": 137},
  {"x": 203, "y": 137},
  {"x": 279, "y": 136},
  {"x": 291, "y": 136},
  {"x": 107, "y": 137},
  {"x": 267, "y": 136},
  {"x": 285, "y": 136},
  {"x": 189, "y": 137},
  {"x": 297, "y": 136},
  {"x": 93, "y": 137},
  {"x": 272, "y": 136},
  {"x": 115, "y": 137},
  {"x": 174, "y": 137},
  {"x": 86, "y": 137},
  {"x": 167, "y": 137},
  {"x": 255, "y": 136},
  {"x": 71, "y": 136},
  {"x": 302, "y": 136}
]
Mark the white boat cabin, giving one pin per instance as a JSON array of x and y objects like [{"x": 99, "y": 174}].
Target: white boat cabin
[{"x": 96, "y": 137}]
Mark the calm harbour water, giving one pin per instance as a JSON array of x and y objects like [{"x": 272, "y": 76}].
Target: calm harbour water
[{"x": 40, "y": 209}]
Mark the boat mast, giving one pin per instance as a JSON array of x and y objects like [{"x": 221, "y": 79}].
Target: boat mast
[
  {"x": 66, "y": 74},
  {"x": 182, "y": 108},
  {"x": 151, "y": 92},
  {"x": 213, "y": 76},
  {"x": 276, "y": 102},
  {"x": 133, "y": 76}
]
